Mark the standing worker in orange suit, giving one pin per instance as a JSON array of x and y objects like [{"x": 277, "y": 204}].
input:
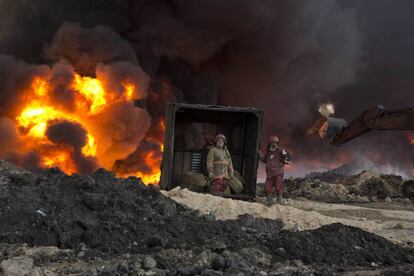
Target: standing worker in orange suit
[{"x": 275, "y": 159}]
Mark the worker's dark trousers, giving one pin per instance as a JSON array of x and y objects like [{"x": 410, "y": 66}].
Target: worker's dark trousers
[{"x": 275, "y": 182}]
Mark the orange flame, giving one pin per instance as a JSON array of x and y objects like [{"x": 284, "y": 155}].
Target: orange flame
[
  {"x": 91, "y": 91},
  {"x": 152, "y": 157},
  {"x": 92, "y": 103}
]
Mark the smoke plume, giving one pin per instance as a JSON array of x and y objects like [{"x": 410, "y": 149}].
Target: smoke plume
[{"x": 284, "y": 56}]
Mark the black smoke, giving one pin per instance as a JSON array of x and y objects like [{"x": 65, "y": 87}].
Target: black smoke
[
  {"x": 71, "y": 135},
  {"x": 283, "y": 56}
]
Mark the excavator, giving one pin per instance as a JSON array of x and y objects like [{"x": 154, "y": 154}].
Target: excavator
[{"x": 337, "y": 131}]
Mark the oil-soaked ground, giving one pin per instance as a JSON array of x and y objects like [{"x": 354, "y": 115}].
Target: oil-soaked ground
[{"x": 119, "y": 226}]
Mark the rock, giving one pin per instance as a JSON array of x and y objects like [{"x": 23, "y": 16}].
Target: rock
[
  {"x": 123, "y": 268},
  {"x": 210, "y": 272},
  {"x": 135, "y": 265},
  {"x": 41, "y": 251},
  {"x": 388, "y": 199},
  {"x": 265, "y": 260},
  {"x": 297, "y": 263},
  {"x": 149, "y": 262},
  {"x": 374, "y": 199},
  {"x": 17, "y": 266},
  {"x": 398, "y": 226},
  {"x": 218, "y": 262},
  {"x": 155, "y": 241},
  {"x": 205, "y": 257},
  {"x": 139, "y": 272},
  {"x": 219, "y": 246},
  {"x": 398, "y": 200},
  {"x": 86, "y": 183},
  {"x": 406, "y": 200},
  {"x": 190, "y": 270},
  {"x": 281, "y": 251},
  {"x": 361, "y": 199},
  {"x": 262, "y": 273}
]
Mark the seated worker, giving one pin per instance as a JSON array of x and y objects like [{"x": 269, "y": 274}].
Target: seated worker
[
  {"x": 219, "y": 166},
  {"x": 275, "y": 159}
]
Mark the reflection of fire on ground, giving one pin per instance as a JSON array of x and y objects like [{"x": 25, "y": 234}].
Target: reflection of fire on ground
[{"x": 80, "y": 123}]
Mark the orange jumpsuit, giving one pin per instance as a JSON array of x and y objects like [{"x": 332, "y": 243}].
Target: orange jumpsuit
[{"x": 274, "y": 171}]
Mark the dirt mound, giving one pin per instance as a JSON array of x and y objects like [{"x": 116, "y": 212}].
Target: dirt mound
[
  {"x": 337, "y": 244},
  {"x": 105, "y": 213},
  {"x": 332, "y": 186},
  {"x": 110, "y": 216},
  {"x": 7, "y": 168},
  {"x": 334, "y": 175}
]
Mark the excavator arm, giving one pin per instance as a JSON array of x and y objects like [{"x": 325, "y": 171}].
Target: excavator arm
[{"x": 337, "y": 131}]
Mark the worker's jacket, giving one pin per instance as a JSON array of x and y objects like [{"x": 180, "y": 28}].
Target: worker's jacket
[
  {"x": 219, "y": 163},
  {"x": 274, "y": 161}
]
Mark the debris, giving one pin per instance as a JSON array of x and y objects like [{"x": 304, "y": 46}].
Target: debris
[
  {"x": 149, "y": 262},
  {"x": 17, "y": 266},
  {"x": 41, "y": 213}
]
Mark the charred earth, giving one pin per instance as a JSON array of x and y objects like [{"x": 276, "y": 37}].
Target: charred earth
[{"x": 96, "y": 224}]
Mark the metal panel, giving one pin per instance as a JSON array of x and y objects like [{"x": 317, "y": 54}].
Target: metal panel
[
  {"x": 196, "y": 161},
  {"x": 168, "y": 152}
]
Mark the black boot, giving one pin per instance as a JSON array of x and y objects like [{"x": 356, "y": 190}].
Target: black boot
[
  {"x": 269, "y": 199},
  {"x": 280, "y": 200}
]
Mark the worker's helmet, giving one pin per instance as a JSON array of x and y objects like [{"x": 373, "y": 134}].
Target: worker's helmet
[
  {"x": 273, "y": 139},
  {"x": 221, "y": 136},
  {"x": 273, "y": 143}
]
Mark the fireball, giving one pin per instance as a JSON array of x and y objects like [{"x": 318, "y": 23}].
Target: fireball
[{"x": 94, "y": 125}]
